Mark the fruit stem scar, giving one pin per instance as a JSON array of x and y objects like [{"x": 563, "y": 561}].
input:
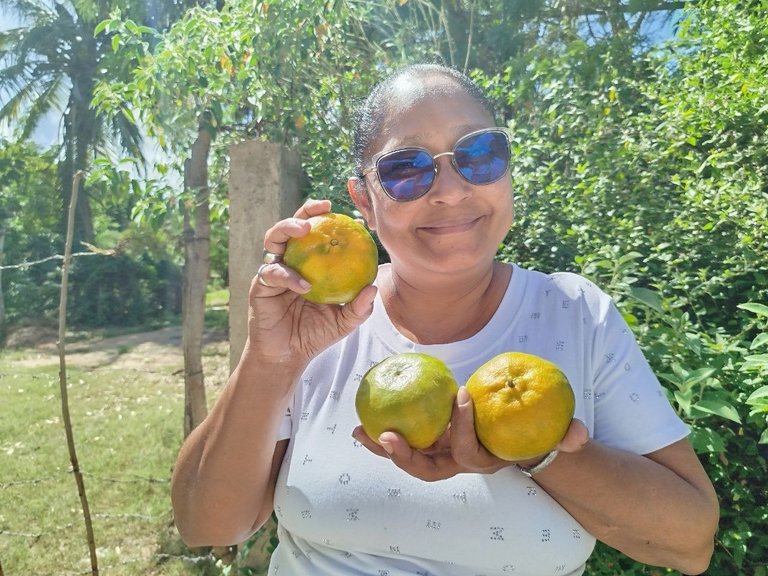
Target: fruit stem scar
[
  {"x": 511, "y": 382},
  {"x": 334, "y": 242}
]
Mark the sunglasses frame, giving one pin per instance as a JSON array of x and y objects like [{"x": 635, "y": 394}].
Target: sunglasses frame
[{"x": 452, "y": 153}]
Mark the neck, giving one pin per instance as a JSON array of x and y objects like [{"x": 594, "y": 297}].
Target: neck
[{"x": 430, "y": 310}]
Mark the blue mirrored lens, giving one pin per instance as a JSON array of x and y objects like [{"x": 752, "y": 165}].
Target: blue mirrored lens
[
  {"x": 482, "y": 158},
  {"x": 406, "y": 174}
]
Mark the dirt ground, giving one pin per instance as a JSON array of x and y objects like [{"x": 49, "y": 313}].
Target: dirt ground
[{"x": 151, "y": 351}]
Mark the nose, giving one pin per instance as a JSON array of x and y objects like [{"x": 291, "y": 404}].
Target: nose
[{"x": 449, "y": 187}]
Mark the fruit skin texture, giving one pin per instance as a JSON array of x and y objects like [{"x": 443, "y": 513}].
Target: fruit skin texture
[
  {"x": 409, "y": 393},
  {"x": 338, "y": 257},
  {"x": 523, "y": 405}
]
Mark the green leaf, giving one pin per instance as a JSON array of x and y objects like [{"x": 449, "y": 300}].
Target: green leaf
[
  {"x": 101, "y": 26},
  {"x": 764, "y": 437},
  {"x": 755, "y": 362},
  {"x": 699, "y": 375},
  {"x": 759, "y": 309},
  {"x": 683, "y": 398},
  {"x": 759, "y": 397},
  {"x": 647, "y": 297},
  {"x": 705, "y": 440},
  {"x": 719, "y": 408},
  {"x": 760, "y": 340}
]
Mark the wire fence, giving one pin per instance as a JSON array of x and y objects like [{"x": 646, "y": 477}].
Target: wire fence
[{"x": 92, "y": 251}]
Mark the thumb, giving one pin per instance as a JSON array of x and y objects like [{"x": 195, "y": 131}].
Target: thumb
[
  {"x": 357, "y": 311},
  {"x": 464, "y": 444},
  {"x": 576, "y": 437}
]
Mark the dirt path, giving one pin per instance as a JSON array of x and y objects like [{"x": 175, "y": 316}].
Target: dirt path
[{"x": 152, "y": 351}]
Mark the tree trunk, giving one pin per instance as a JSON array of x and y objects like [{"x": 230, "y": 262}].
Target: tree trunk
[
  {"x": 2, "y": 297},
  {"x": 196, "y": 265}
]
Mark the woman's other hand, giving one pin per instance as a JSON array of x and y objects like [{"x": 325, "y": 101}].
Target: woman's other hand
[{"x": 458, "y": 449}]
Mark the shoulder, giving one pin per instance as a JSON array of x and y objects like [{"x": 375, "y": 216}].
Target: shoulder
[{"x": 566, "y": 286}]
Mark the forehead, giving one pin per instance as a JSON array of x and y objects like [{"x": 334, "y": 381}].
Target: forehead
[{"x": 418, "y": 109}]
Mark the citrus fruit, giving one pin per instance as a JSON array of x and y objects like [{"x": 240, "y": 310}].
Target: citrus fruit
[
  {"x": 338, "y": 257},
  {"x": 409, "y": 393},
  {"x": 523, "y": 405}
]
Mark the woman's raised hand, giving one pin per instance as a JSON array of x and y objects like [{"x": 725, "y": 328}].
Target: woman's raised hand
[{"x": 283, "y": 326}]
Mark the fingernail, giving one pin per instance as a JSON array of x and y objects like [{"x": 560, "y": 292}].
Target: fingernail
[
  {"x": 388, "y": 448},
  {"x": 306, "y": 286},
  {"x": 462, "y": 396}
]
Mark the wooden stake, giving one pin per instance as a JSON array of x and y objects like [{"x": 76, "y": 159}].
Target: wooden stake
[{"x": 63, "y": 375}]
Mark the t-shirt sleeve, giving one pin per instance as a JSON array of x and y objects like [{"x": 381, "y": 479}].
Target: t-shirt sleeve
[
  {"x": 631, "y": 410},
  {"x": 286, "y": 426}
]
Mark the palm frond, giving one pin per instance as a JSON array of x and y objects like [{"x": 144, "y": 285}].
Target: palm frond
[
  {"x": 17, "y": 103},
  {"x": 43, "y": 104},
  {"x": 128, "y": 135},
  {"x": 10, "y": 39},
  {"x": 15, "y": 74},
  {"x": 32, "y": 10}
]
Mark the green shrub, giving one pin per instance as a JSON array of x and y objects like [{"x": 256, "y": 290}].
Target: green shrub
[{"x": 122, "y": 290}]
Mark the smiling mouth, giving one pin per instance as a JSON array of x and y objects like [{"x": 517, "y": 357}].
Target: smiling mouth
[{"x": 452, "y": 226}]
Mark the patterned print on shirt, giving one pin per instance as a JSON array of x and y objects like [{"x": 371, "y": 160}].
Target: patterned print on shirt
[{"x": 497, "y": 533}]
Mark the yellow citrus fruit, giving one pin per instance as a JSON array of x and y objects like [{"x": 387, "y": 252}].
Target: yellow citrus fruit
[
  {"x": 523, "y": 405},
  {"x": 338, "y": 257},
  {"x": 409, "y": 393}
]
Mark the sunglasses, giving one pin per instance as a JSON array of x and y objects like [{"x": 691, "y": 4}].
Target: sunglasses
[{"x": 480, "y": 157}]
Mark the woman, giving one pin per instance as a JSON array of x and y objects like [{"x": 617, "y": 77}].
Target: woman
[{"x": 432, "y": 181}]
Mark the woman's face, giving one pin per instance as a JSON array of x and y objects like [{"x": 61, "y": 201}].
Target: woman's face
[{"x": 456, "y": 225}]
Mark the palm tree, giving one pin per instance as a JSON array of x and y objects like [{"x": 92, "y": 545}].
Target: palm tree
[
  {"x": 51, "y": 64},
  {"x": 52, "y": 61}
]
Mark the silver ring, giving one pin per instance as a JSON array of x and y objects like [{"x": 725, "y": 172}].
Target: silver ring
[
  {"x": 271, "y": 258},
  {"x": 260, "y": 278}
]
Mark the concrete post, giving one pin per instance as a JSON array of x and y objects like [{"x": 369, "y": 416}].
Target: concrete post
[{"x": 264, "y": 187}]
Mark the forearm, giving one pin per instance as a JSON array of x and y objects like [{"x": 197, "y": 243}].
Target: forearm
[
  {"x": 637, "y": 505},
  {"x": 223, "y": 475}
]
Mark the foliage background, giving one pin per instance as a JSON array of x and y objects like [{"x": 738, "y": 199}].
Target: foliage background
[{"x": 640, "y": 163}]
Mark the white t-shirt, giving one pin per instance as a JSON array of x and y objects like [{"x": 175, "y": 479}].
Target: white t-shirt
[{"x": 344, "y": 511}]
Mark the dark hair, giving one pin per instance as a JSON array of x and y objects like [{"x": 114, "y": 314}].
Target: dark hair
[{"x": 372, "y": 113}]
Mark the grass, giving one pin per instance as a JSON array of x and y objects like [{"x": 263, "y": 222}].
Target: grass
[
  {"x": 217, "y": 309},
  {"x": 128, "y": 427}
]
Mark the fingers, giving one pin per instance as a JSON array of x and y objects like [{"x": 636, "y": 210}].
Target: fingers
[
  {"x": 359, "y": 434},
  {"x": 313, "y": 208},
  {"x": 273, "y": 274},
  {"x": 429, "y": 467},
  {"x": 273, "y": 279},
  {"x": 276, "y": 237},
  {"x": 296, "y": 227}
]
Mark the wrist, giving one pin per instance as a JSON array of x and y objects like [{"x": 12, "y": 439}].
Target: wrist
[{"x": 530, "y": 469}]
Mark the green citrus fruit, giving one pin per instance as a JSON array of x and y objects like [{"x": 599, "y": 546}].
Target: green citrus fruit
[
  {"x": 338, "y": 257},
  {"x": 523, "y": 405},
  {"x": 411, "y": 394}
]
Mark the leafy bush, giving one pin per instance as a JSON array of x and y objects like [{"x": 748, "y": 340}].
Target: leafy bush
[
  {"x": 122, "y": 290},
  {"x": 650, "y": 176}
]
